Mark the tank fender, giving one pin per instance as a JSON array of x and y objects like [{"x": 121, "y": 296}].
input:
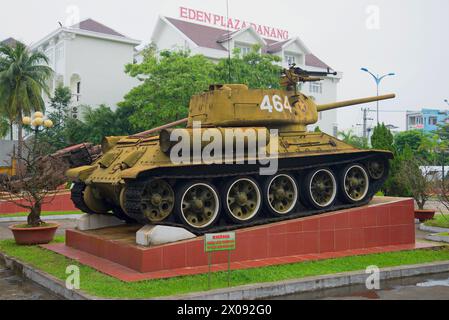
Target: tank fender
[{"x": 80, "y": 173}]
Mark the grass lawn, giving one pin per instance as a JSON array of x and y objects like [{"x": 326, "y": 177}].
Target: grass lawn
[
  {"x": 443, "y": 234},
  {"x": 98, "y": 284},
  {"x": 44, "y": 214},
  {"x": 441, "y": 221}
]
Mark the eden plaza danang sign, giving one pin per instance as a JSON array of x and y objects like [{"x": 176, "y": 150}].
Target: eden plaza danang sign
[{"x": 231, "y": 23}]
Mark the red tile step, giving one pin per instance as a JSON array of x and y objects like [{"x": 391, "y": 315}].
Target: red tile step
[{"x": 129, "y": 275}]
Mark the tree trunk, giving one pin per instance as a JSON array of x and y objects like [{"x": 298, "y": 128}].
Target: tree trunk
[
  {"x": 20, "y": 140},
  {"x": 420, "y": 204},
  {"x": 34, "y": 218}
]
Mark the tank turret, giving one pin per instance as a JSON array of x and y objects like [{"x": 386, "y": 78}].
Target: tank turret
[
  {"x": 138, "y": 180},
  {"x": 235, "y": 105}
]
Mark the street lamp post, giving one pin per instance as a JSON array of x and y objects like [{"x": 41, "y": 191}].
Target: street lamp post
[
  {"x": 378, "y": 79},
  {"x": 37, "y": 122}
]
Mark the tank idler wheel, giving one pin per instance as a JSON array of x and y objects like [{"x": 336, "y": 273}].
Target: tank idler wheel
[
  {"x": 93, "y": 201},
  {"x": 280, "y": 194},
  {"x": 158, "y": 200},
  {"x": 376, "y": 168},
  {"x": 197, "y": 205},
  {"x": 320, "y": 188},
  {"x": 242, "y": 200},
  {"x": 354, "y": 183}
]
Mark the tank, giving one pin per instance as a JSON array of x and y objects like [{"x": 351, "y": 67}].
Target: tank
[{"x": 243, "y": 157}]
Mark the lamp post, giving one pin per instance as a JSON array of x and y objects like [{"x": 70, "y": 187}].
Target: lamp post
[
  {"x": 38, "y": 123},
  {"x": 447, "y": 102},
  {"x": 378, "y": 79}
]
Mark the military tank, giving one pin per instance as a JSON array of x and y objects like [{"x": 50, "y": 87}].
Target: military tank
[{"x": 138, "y": 180}]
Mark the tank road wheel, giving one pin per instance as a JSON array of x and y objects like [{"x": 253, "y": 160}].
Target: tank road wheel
[
  {"x": 354, "y": 183},
  {"x": 376, "y": 168},
  {"x": 148, "y": 201},
  {"x": 158, "y": 200},
  {"x": 197, "y": 205},
  {"x": 320, "y": 188},
  {"x": 242, "y": 201},
  {"x": 281, "y": 194}
]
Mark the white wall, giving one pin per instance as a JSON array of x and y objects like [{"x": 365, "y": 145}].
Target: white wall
[
  {"x": 168, "y": 38},
  {"x": 101, "y": 67}
]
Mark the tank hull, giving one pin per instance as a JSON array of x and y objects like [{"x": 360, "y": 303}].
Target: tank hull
[{"x": 126, "y": 198}]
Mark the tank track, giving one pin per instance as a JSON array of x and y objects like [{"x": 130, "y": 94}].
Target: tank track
[
  {"x": 133, "y": 196},
  {"x": 77, "y": 196},
  {"x": 133, "y": 200}
]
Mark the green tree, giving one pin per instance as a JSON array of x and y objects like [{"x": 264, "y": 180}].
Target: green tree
[
  {"x": 60, "y": 104},
  {"x": 23, "y": 78},
  {"x": 443, "y": 131},
  {"x": 55, "y": 138},
  {"x": 168, "y": 82},
  {"x": 382, "y": 138},
  {"x": 410, "y": 175},
  {"x": 256, "y": 70},
  {"x": 411, "y": 138},
  {"x": 350, "y": 138},
  {"x": 96, "y": 124},
  {"x": 4, "y": 126}
]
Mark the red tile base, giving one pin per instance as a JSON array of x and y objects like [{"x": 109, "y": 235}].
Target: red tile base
[
  {"x": 387, "y": 224},
  {"x": 129, "y": 275}
]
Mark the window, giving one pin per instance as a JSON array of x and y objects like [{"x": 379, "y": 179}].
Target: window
[
  {"x": 78, "y": 91},
  {"x": 244, "y": 50},
  {"x": 290, "y": 60},
  {"x": 433, "y": 121},
  {"x": 316, "y": 87},
  {"x": 415, "y": 120}
]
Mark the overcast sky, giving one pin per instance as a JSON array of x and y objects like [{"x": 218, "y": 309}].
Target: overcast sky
[{"x": 408, "y": 37}]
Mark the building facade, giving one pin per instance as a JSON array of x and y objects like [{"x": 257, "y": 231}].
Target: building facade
[
  {"x": 426, "y": 119},
  {"x": 90, "y": 59},
  {"x": 215, "y": 43}
]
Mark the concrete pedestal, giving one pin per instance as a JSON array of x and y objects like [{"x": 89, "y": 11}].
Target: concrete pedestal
[
  {"x": 97, "y": 221},
  {"x": 387, "y": 224},
  {"x": 157, "y": 235}
]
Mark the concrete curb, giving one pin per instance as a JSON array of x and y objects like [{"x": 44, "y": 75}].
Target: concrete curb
[
  {"x": 48, "y": 218},
  {"x": 274, "y": 289},
  {"x": 437, "y": 238},
  {"x": 43, "y": 279},
  {"x": 423, "y": 227},
  {"x": 246, "y": 292}
]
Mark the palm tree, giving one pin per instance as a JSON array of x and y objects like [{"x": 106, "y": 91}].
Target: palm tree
[
  {"x": 346, "y": 136},
  {"x": 354, "y": 140},
  {"x": 4, "y": 126},
  {"x": 23, "y": 77}
]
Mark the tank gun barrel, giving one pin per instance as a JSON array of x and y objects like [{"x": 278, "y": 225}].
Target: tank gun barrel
[
  {"x": 330, "y": 106},
  {"x": 158, "y": 129}
]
